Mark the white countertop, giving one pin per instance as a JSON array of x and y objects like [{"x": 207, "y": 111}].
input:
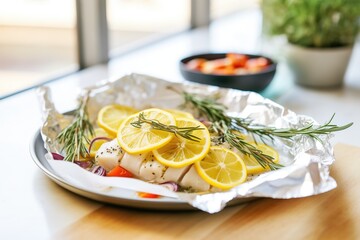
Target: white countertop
[{"x": 32, "y": 205}]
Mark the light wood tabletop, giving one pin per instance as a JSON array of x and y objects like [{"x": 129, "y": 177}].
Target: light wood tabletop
[{"x": 331, "y": 215}]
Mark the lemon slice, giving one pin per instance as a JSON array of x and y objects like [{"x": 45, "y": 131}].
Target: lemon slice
[
  {"x": 99, "y": 132},
  {"x": 111, "y": 116},
  {"x": 180, "y": 114},
  {"x": 222, "y": 168},
  {"x": 144, "y": 139},
  {"x": 181, "y": 152},
  {"x": 253, "y": 166}
]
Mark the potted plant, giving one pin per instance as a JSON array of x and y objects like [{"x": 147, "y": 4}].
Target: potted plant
[{"x": 320, "y": 36}]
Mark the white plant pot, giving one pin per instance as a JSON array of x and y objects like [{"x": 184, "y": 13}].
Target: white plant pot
[{"x": 318, "y": 67}]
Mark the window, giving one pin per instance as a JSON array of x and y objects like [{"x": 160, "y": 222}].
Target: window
[
  {"x": 41, "y": 39},
  {"x": 135, "y": 22},
  {"x": 221, "y": 8},
  {"x": 37, "y": 43}
]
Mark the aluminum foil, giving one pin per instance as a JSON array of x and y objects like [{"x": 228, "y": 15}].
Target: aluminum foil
[{"x": 306, "y": 161}]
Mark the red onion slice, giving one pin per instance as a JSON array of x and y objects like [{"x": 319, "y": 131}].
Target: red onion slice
[
  {"x": 97, "y": 139},
  {"x": 57, "y": 156},
  {"x": 98, "y": 170},
  {"x": 84, "y": 164},
  {"x": 172, "y": 186}
]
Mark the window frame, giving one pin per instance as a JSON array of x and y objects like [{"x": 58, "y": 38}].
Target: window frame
[{"x": 93, "y": 32}]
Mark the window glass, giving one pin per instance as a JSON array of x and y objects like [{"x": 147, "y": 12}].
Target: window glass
[
  {"x": 221, "y": 8},
  {"x": 135, "y": 22},
  {"x": 37, "y": 42}
]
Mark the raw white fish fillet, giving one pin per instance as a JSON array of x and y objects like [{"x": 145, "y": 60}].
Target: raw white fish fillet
[
  {"x": 194, "y": 181},
  {"x": 133, "y": 162},
  {"x": 173, "y": 174},
  {"x": 151, "y": 169},
  {"x": 144, "y": 166},
  {"x": 109, "y": 155}
]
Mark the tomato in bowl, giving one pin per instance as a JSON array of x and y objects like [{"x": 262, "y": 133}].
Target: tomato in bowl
[{"x": 230, "y": 70}]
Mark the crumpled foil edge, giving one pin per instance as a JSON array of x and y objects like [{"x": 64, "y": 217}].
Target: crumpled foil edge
[{"x": 307, "y": 161}]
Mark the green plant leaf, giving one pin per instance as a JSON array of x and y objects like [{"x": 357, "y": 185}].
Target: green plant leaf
[{"x": 313, "y": 23}]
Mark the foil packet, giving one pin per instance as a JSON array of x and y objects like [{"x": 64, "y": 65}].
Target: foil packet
[{"x": 306, "y": 160}]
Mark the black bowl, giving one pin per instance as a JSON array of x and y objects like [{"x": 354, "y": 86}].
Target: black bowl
[{"x": 257, "y": 81}]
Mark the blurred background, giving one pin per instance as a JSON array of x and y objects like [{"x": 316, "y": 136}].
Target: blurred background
[{"x": 38, "y": 38}]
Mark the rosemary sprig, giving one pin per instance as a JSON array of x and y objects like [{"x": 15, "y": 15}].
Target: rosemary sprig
[
  {"x": 309, "y": 130},
  {"x": 215, "y": 112},
  {"x": 75, "y": 136},
  {"x": 208, "y": 107},
  {"x": 185, "y": 132},
  {"x": 243, "y": 146}
]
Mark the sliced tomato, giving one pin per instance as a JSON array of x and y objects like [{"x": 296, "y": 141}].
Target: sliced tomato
[
  {"x": 195, "y": 64},
  {"x": 119, "y": 172},
  {"x": 147, "y": 195},
  {"x": 237, "y": 60},
  {"x": 213, "y": 65},
  {"x": 224, "y": 71},
  {"x": 257, "y": 63}
]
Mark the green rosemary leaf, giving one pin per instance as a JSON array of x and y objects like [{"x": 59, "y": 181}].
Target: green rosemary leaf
[
  {"x": 224, "y": 124},
  {"x": 185, "y": 132},
  {"x": 75, "y": 136}
]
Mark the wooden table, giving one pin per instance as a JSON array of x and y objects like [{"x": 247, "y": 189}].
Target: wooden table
[{"x": 332, "y": 215}]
